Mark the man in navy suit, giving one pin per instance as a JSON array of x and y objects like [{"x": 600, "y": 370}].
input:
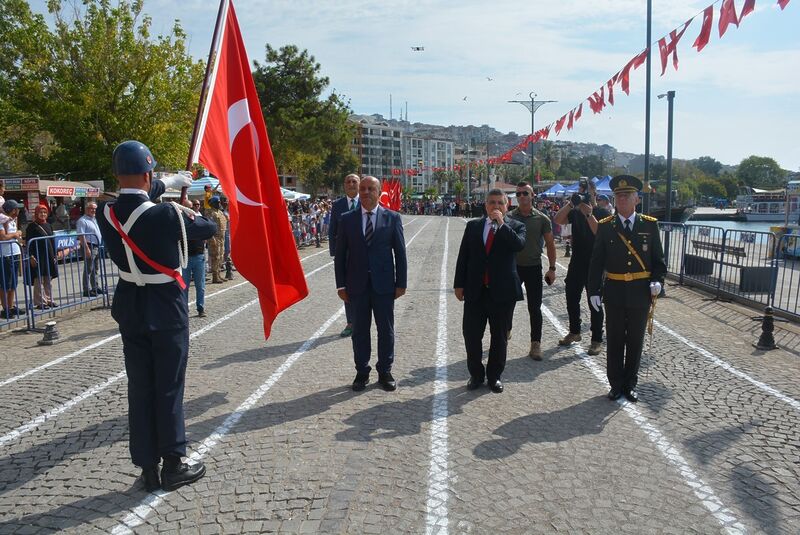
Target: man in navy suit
[
  {"x": 371, "y": 270},
  {"x": 142, "y": 238},
  {"x": 340, "y": 206},
  {"x": 487, "y": 281}
]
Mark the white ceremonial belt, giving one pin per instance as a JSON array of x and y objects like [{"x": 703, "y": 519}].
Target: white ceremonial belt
[{"x": 155, "y": 278}]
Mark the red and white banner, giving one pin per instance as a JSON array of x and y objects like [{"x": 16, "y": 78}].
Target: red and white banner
[{"x": 232, "y": 143}]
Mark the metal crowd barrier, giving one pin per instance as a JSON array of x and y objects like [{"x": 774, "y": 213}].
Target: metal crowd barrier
[
  {"x": 69, "y": 286},
  {"x": 754, "y": 267}
]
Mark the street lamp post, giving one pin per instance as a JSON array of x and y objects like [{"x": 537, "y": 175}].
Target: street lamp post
[
  {"x": 532, "y": 105},
  {"x": 668, "y": 204}
]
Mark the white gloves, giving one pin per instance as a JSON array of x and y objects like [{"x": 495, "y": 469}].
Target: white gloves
[
  {"x": 596, "y": 302},
  {"x": 655, "y": 288},
  {"x": 182, "y": 179}
]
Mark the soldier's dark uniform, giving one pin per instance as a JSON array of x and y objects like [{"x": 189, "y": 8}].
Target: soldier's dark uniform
[
  {"x": 153, "y": 318},
  {"x": 616, "y": 273}
]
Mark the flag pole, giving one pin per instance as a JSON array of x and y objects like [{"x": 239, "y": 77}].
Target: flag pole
[{"x": 203, "y": 93}]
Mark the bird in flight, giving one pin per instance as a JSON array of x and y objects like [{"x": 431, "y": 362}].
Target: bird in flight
[
  {"x": 465, "y": 98},
  {"x": 490, "y": 79},
  {"x": 418, "y": 48},
  {"x": 517, "y": 94}
]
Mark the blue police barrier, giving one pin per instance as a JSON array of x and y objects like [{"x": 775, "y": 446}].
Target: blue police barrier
[{"x": 61, "y": 273}]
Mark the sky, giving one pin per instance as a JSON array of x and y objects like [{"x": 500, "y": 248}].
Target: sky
[{"x": 737, "y": 97}]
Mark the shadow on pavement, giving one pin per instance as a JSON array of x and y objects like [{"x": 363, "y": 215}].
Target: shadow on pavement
[
  {"x": 586, "y": 418},
  {"x": 76, "y": 514},
  {"x": 266, "y": 352},
  {"x": 19, "y": 468}
]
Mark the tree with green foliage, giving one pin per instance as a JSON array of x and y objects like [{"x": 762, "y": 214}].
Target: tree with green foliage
[
  {"x": 709, "y": 187},
  {"x": 708, "y": 165},
  {"x": 310, "y": 135},
  {"x": 761, "y": 172},
  {"x": 95, "y": 79},
  {"x": 549, "y": 155},
  {"x": 591, "y": 166}
]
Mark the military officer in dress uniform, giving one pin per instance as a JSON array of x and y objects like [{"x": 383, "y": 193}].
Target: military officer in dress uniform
[
  {"x": 628, "y": 249},
  {"x": 144, "y": 240}
]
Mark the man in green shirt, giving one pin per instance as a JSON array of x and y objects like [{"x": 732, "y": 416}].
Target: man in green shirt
[{"x": 529, "y": 261}]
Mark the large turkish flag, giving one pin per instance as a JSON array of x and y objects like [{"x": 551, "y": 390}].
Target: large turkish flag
[{"x": 232, "y": 144}]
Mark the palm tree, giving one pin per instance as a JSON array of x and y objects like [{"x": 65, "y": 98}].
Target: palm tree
[{"x": 549, "y": 155}]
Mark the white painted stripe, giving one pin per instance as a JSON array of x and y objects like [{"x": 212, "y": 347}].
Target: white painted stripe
[
  {"x": 95, "y": 345},
  {"x": 96, "y": 389},
  {"x": 795, "y": 404},
  {"x": 438, "y": 472},
  {"x": 104, "y": 341},
  {"x": 700, "y": 488},
  {"x": 139, "y": 514},
  {"x": 408, "y": 243}
]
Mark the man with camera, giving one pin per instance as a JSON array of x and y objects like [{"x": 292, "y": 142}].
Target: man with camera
[{"x": 582, "y": 213}]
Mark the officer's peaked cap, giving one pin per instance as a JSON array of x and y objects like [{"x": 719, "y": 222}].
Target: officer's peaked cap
[
  {"x": 625, "y": 183},
  {"x": 132, "y": 158}
]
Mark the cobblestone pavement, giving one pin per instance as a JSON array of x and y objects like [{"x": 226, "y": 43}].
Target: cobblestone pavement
[{"x": 713, "y": 446}]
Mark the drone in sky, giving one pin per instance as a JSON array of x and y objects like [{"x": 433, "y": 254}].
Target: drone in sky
[{"x": 418, "y": 49}]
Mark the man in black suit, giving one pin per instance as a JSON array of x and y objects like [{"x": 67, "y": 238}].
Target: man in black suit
[
  {"x": 487, "y": 281},
  {"x": 342, "y": 205},
  {"x": 628, "y": 250},
  {"x": 371, "y": 272}
]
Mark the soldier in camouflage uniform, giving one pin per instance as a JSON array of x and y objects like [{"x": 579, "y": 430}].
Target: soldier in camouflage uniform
[{"x": 216, "y": 245}]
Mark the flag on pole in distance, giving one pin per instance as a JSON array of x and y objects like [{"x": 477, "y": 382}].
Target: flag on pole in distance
[
  {"x": 232, "y": 143},
  {"x": 391, "y": 194}
]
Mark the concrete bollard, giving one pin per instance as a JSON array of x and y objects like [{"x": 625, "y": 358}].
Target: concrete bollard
[
  {"x": 51, "y": 335},
  {"x": 766, "y": 341}
]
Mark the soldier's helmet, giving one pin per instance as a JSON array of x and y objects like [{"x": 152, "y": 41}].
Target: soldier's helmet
[{"x": 132, "y": 158}]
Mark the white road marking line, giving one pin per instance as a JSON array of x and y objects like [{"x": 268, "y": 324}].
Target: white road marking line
[
  {"x": 438, "y": 473},
  {"x": 95, "y": 345},
  {"x": 36, "y": 422},
  {"x": 408, "y": 243},
  {"x": 700, "y": 488},
  {"x": 139, "y": 514},
  {"x": 96, "y": 389},
  {"x": 795, "y": 404}
]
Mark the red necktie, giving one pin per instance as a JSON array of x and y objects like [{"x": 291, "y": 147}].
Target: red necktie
[{"x": 489, "y": 241}]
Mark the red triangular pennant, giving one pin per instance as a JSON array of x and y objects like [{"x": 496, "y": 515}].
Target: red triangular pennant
[
  {"x": 705, "y": 30},
  {"x": 672, "y": 47},
  {"x": 625, "y": 74},
  {"x": 727, "y": 15},
  {"x": 610, "y": 86},
  {"x": 783, "y": 3},
  {"x": 578, "y": 113},
  {"x": 560, "y": 123},
  {"x": 748, "y": 7},
  {"x": 571, "y": 120}
]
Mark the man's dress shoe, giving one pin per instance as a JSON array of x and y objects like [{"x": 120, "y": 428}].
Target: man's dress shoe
[
  {"x": 176, "y": 475},
  {"x": 474, "y": 383},
  {"x": 387, "y": 382},
  {"x": 632, "y": 396},
  {"x": 360, "y": 382},
  {"x": 150, "y": 479},
  {"x": 614, "y": 394},
  {"x": 496, "y": 386}
]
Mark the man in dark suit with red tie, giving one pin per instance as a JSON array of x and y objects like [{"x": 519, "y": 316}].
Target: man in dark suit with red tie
[
  {"x": 371, "y": 272},
  {"x": 487, "y": 281}
]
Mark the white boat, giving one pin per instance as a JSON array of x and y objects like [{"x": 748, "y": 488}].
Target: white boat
[{"x": 760, "y": 205}]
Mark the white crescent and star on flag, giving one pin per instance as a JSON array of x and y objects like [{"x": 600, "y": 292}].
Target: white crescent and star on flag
[{"x": 238, "y": 120}]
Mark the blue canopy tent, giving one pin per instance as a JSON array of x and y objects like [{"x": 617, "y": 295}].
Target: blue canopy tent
[
  {"x": 198, "y": 186},
  {"x": 553, "y": 191},
  {"x": 603, "y": 184}
]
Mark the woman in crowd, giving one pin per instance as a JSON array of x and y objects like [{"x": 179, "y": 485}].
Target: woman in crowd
[{"x": 42, "y": 258}]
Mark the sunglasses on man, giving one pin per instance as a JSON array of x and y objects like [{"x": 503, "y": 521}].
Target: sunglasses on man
[{"x": 524, "y": 193}]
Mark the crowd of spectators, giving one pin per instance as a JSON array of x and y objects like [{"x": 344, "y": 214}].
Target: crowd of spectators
[{"x": 309, "y": 220}]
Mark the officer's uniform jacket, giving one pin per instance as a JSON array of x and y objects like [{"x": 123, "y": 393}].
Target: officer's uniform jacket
[
  {"x": 155, "y": 304},
  {"x": 614, "y": 270}
]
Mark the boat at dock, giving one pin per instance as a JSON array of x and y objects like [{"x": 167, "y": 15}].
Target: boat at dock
[{"x": 771, "y": 206}]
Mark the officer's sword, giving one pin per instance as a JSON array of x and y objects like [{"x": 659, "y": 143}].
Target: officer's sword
[{"x": 650, "y": 315}]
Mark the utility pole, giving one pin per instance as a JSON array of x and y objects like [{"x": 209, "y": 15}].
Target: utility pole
[
  {"x": 646, "y": 193},
  {"x": 532, "y": 105}
]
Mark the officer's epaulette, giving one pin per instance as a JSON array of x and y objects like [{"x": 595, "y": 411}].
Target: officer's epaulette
[
  {"x": 606, "y": 219},
  {"x": 649, "y": 218}
]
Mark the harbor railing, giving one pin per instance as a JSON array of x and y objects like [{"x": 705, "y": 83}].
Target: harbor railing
[{"x": 756, "y": 268}]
